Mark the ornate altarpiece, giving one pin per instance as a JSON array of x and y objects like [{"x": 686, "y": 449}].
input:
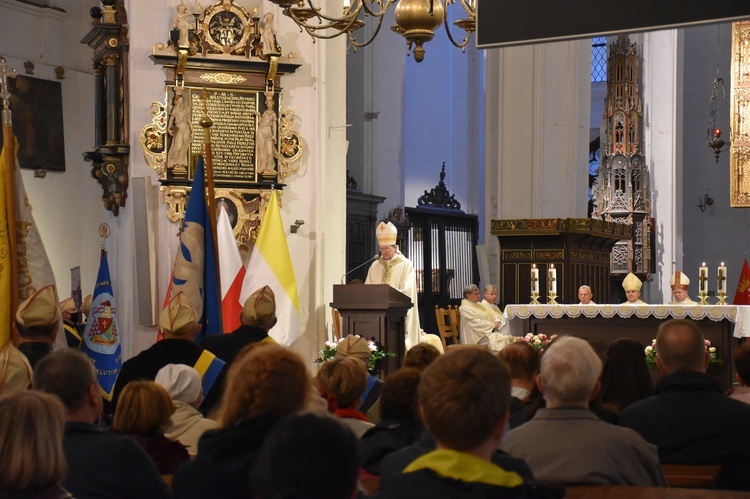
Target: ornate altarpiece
[
  {"x": 621, "y": 192},
  {"x": 223, "y": 63},
  {"x": 739, "y": 152}
]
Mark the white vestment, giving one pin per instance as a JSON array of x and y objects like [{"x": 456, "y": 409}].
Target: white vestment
[
  {"x": 398, "y": 272},
  {"x": 478, "y": 326},
  {"x": 686, "y": 301}
]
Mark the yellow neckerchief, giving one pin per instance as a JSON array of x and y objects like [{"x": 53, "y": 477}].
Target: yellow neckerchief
[
  {"x": 465, "y": 467},
  {"x": 388, "y": 265}
]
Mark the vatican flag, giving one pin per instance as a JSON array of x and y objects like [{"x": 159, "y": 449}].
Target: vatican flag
[
  {"x": 32, "y": 270},
  {"x": 270, "y": 264}
]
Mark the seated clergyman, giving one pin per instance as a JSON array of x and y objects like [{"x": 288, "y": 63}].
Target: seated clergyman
[
  {"x": 679, "y": 283},
  {"x": 585, "y": 295},
  {"x": 479, "y": 324},
  {"x": 632, "y": 286}
]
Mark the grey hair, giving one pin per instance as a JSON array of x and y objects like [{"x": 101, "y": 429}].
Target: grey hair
[
  {"x": 470, "y": 289},
  {"x": 586, "y": 286},
  {"x": 490, "y": 287},
  {"x": 569, "y": 369}
]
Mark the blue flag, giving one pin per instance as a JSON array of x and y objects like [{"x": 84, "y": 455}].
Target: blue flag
[
  {"x": 194, "y": 270},
  {"x": 101, "y": 339}
]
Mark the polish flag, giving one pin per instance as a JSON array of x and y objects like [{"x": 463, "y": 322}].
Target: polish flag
[{"x": 232, "y": 273}]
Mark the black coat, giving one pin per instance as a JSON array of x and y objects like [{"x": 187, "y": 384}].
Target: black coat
[{"x": 692, "y": 422}]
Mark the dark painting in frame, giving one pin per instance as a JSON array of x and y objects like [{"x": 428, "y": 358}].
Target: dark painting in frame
[{"x": 37, "y": 110}]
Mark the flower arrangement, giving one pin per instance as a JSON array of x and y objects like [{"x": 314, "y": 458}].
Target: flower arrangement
[
  {"x": 650, "y": 352},
  {"x": 538, "y": 341},
  {"x": 378, "y": 353}
]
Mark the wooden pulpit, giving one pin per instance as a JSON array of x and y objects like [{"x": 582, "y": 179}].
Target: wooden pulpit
[{"x": 374, "y": 310}]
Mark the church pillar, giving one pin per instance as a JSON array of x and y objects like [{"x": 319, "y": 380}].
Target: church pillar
[
  {"x": 662, "y": 138},
  {"x": 537, "y": 134}
]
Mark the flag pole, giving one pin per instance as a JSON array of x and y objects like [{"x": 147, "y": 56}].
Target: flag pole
[
  {"x": 206, "y": 122},
  {"x": 10, "y": 191}
]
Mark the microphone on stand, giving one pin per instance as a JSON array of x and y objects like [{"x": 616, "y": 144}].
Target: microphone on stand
[{"x": 375, "y": 257}]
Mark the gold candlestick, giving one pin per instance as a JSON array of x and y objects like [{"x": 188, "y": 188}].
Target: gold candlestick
[
  {"x": 535, "y": 299},
  {"x": 703, "y": 297},
  {"x": 722, "y": 298},
  {"x": 552, "y": 299}
]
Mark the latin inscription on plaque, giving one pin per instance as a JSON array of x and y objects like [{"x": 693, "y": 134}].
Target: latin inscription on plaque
[{"x": 232, "y": 134}]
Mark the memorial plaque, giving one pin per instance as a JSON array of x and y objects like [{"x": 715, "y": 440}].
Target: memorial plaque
[{"x": 235, "y": 115}]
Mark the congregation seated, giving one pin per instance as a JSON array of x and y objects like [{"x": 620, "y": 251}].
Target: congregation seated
[
  {"x": 625, "y": 376},
  {"x": 342, "y": 381},
  {"x": 400, "y": 425},
  {"x": 420, "y": 356},
  {"x": 17, "y": 375},
  {"x": 31, "y": 453},
  {"x": 143, "y": 414},
  {"x": 265, "y": 383},
  {"x": 523, "y": 363},
  {"x": 566, "y": 443},
  {"x": 358, "y": 348},
  {"x": 187, "y": 424},
  {"x": 688, "y": 418},
  {"x": 307, "y": 456},
  {"x": 100, "y": 464},
  {"x": 741, "y": 359},
  {"x": 179, "y": 325},
  {"x": 37, "y": 322},
  {"x": 464, "y": 398}
]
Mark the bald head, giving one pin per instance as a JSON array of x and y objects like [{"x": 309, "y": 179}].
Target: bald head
[{"x": 680, "y": 346}]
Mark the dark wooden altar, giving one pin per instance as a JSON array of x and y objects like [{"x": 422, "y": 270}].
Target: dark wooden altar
[
  {"x": 374, "y": 311},
  {"x": 578, "y": 247},
  {"x": 601, "y": 331}
]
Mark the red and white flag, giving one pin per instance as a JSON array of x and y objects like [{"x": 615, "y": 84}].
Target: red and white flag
[
  {"x": 232, "y": 273},
  {"x": 742, "y": 295}
]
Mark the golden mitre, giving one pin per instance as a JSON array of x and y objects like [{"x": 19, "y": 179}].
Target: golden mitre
[
  {"x": 386, "y": 234},
  {"x": 631, "y": 282}
]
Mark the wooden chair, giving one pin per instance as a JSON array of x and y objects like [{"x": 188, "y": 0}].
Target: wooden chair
[
  {"x": 336, "y": 320},
  {"x": 447, "y": 325},
  {"x": 702, "y": 476}
]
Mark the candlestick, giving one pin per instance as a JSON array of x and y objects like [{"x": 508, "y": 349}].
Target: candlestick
[
  {"x": 703, "y": 279},
  {"x": 721, "y": 286},
  {"x": 552, "y": 279},
  {"x": 534, "y": 280}
]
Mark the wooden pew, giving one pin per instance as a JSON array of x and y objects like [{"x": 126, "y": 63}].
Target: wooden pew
[
  {"x": 691, "y": 475},
  {"x": 628, "y": 492}
]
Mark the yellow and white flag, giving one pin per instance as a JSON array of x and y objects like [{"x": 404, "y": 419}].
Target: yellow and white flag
[
  {"x": 32, "y": 268},
  {"x": 6, "y": 270},
  {"x": 270, "y": 264}
]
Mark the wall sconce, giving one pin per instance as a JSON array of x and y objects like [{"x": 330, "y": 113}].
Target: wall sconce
[
  {"x": 298, "y": 223},
  {"x": 704, "y": 201}
]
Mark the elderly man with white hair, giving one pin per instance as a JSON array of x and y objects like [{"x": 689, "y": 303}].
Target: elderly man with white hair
[{"x": 565, "y": 443}]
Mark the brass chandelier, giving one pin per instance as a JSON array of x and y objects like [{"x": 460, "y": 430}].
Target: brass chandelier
[{"x": 416, "y": 20}]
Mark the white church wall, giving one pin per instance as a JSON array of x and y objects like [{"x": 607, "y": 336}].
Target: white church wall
[
  {"x": 67, "y": 205},
  {"x": 538, "y": 105}
]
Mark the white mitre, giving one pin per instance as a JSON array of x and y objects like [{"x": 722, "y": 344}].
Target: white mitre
[
  {"x": 679, "y": 280},
  {"x": 386, "y": 234}
]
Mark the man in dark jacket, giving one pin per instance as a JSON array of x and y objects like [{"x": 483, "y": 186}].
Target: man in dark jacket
[
  {"x": 179, "y": 325},
  {"x": 100, "y": 464},
  {"x": 689, "y": 419}
]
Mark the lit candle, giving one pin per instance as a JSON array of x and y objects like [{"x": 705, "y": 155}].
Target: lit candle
[
  {"x": 534, "y": 279},
  {"x": 552, "y": 279},
  {"x": 722, "y": 280},
  {"x": 703, "y": 279}
]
